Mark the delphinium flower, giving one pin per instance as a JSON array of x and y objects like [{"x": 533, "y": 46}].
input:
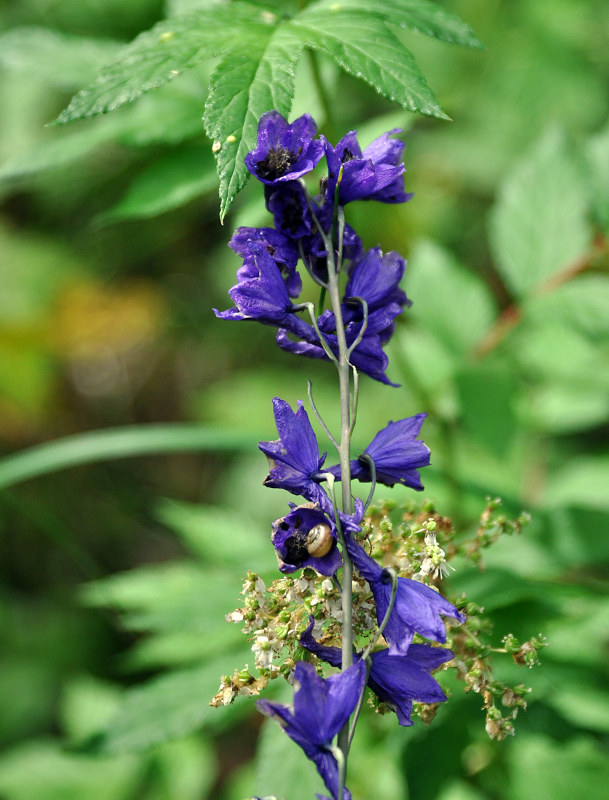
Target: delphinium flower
[
  {"x": 374, "y": 174},
  {"x": 417, "y": 609},
  {"x": 294, "y": 460},
  {"x": 396, "y": 680},
  {"x": 284, "y": 152},
  {"x": 320, "y": 536},
  {"x": 282, "y": 249},
  {"x": 321, "y": 708},
  {"x": 397, "y": 455}
]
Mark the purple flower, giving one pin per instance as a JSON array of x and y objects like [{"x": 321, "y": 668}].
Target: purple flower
[
  {"x": 306, "y": 537},
  {"x": 418, "y": 608},
  {"x": 316, "y": 255},
  {"x": 284, "y": 152},
  {"x": 287, "y": 203},
  {"x": 262, "y": 294},
  {"x": 321, "y": 708},
  {"x": 368, "y": 357},
  {"x": 375, "y": 278},
  {"x": 397, "y": 455},
  {"x": 375, "y": 174},
  {"x": 294, "y": 458},
  {"x": 280, "y": 247},
  {"x": 396, "y": 680}
]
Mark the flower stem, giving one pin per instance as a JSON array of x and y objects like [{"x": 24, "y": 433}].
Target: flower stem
[{"x": 344, "y": 375}]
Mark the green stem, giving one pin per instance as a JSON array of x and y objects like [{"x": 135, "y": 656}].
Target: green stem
[{"x": 344, "y": 372}]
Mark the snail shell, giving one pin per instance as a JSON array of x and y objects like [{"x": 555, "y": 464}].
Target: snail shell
[{"x": 319, "y": 540}]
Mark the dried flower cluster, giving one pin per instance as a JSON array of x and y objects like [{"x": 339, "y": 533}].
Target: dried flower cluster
[{"x": 421, "y": 546}]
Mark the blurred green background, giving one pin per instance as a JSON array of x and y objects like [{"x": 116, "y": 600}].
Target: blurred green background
[{"x": 116, "y": 574}]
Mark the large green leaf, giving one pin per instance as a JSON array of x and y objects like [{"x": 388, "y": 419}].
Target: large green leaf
[
  {"x": 247, "y": 82},
  {"x": 56, "y": 58},
  {"x": 538, "y": 227},
  {"x": 417, "y": 15},
  {"x": 164, "y": 52},
  {"x": 363, "y": 45}
]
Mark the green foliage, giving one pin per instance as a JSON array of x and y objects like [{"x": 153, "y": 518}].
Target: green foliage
[
  {"x": 169, "y": 183},
  {"x": 63, "y": 60},
  {"x": 122, "y": 443},
  {"x": 505, "y": 347},
  {"x": 548, "y": 770},
  {"x": 539, "y": 226},
  {"x": 163, "y": 709},
  {"x": 244, "y": 85},
  {"x": 248, "y": 81}
]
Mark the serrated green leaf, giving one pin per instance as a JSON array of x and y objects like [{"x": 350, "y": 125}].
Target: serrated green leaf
[
  {"x": 172, "y": 181},
  {"x": 365, "y": 47},
  {"x": 417, "y": 15},
  {"x": 58, "y": 59},
  {"x": 164, "y": 52},
  {"x": 246, "y": 83},
  {"x": 538, "y": 226},
  {"x": 165, "y": 708},
  {"x": 439, "y": 286}
]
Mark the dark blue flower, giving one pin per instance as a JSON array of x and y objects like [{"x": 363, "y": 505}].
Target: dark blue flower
[
  {"x": 287, "y": 202},
  {"x": 418, "y": 608},
  {"x": 280, "y": 247},
  {"x": 374, "y": 174},
  {"x": 284, "y": 152},
  {"x": 368, "y": 357},
  {"x": 374, "y": 278},
  {"x": 294, "y": 457},
  {"x": 397, "y": 455},
  {"x": 315, "y": 254},
  {"x": 306, "y": 537},
  {"x": 262, "y": 294},
  {"x": 321, "y": 708},
  {"x": 396, "y": 680}
]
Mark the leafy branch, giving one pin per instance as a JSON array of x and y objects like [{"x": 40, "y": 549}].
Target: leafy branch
[{"x": 257, "y": 52}]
